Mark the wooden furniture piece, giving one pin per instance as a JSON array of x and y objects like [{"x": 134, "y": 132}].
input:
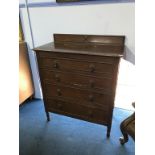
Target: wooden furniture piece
[
  {"x": 128, "y": 128},
  {"x": 26, "y": 89},
  {"x": 78, "y": 76}
]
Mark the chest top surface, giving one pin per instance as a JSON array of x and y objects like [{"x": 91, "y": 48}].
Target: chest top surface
[{"x": 100, "y": 45}]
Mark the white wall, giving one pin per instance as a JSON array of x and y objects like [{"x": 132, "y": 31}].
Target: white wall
[
  {"x": 88, "y": 19},
  {"x": 110, "y": 19}
]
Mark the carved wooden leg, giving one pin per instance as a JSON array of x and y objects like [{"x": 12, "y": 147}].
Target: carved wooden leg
[
  {"x": 108, "y": 131},
  {"x": 124, "y": 127},
  {"x": 125, "y": 138},
  {"x": 48, "y": 116}
]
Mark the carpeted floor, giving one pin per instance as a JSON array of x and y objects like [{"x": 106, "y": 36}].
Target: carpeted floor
[{"x": 67, "y": 136}]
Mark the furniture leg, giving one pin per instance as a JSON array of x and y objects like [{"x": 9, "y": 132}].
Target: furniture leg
[
  {"x": 125, "y": 138},
  {"x": 127, "y": 128},
  {"x": 48, "y": 116},
  {"x": 108, "y": 131}
]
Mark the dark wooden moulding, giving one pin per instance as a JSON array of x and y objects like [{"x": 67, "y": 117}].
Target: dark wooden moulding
[{"x": 79, "y": 75}]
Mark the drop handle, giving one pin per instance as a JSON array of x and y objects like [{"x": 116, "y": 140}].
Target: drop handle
[
  {"x": 92, "y": 67},
  {"x": 57, "y": 77},
  {"x": 59, "y": 92},
  {"x": 56, "y": 64},
  {"x": 91, "y": 98}
]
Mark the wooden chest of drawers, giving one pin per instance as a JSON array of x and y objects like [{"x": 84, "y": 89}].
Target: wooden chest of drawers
[{"x": 79, "y": 74}]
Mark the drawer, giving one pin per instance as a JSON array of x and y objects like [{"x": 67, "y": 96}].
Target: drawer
[
  {"x": 65, "y": 64},
  {"x": 76, "y": 80},
  {"x": 81, "y": 96},
  {"x": 78, "y": 111},
  {"x": 76, "y": 56},
  {"x": 87, "y": 47}
]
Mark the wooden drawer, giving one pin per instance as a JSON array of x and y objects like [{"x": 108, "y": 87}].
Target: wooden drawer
[
  {"x": 89, "y": 47},
  {"x": 77, "y": 56},
  {"x": 76, "y": 80},
  {"x": 78, "y": 111},
  {"x": 86, "y": 97},
  {"x": 64, "y": 64}
]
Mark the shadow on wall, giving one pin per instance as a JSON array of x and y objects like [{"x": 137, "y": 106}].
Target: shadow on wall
[{"x": 129, "y": 56}]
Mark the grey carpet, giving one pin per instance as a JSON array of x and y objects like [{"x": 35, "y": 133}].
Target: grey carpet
[{"x": 68, "y": 136}]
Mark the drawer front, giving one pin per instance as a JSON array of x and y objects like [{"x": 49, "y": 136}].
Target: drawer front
[
  {"x": 78, "y": 111},
  {"x": 76, "y": 80},
  {"x": 77, "y": 65},
  {"x": 88, "y": 47},
  {"x": 80, "y": 57},
  {"x": 86, "y": 97}
]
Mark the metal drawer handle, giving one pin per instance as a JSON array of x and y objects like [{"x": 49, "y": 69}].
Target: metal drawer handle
[
  {"x": 57, "y": 77},
  {"x": 92, "y": 67},
  {"x": 59, "y": 92},
  {"x": 56, "y": 64}
]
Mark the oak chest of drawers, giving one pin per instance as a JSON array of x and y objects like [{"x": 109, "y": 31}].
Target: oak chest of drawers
[{"x": 79, "y": 74}]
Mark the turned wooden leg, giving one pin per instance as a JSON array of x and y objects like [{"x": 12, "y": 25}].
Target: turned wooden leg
[
  {"x": 108, "y": 131},
  {"x": 124, "y": 128},
  {"x": 48, "y": 116},
  {"x": 125, "y": 138}
]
